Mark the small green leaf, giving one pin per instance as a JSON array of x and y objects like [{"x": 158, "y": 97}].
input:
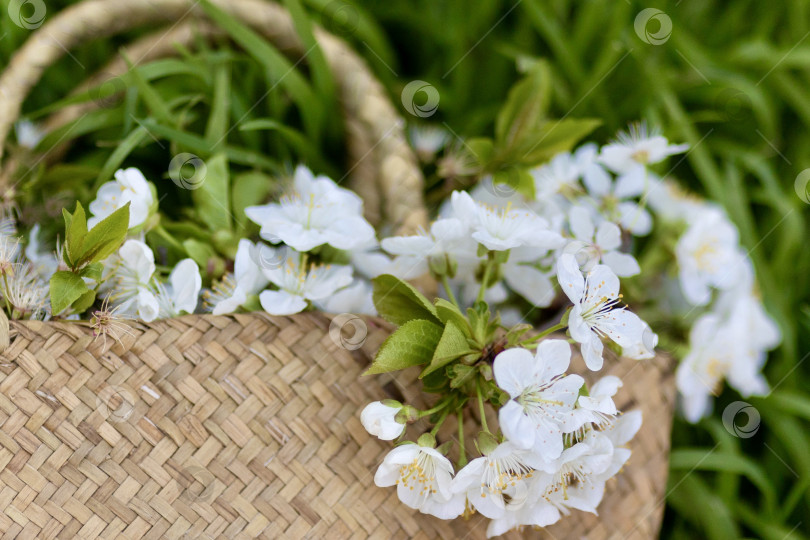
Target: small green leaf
[
  {"x": 199, "y": 251},
  {"x": 482, "y": 149},
  {"x": 460, "y": 374},
  {"x": 411, "y": 344},
  {"x": 551, "y": 138},
  {"x": 66, "y": 288},
  {"x": 213, "y": 198},
  {"x": 525, "y": 107},
  {"x": 398, "y": 301},
  {"x": 75, "y": 232},
  {"x": 92, "y": 271},
  {"x": 86, "y": 300},
  {"x": 106, "y": 237},
  {"x": 447, "y": 311},
  {"x": 452, "y": 345},
  {"x": 518, "y": 178}
]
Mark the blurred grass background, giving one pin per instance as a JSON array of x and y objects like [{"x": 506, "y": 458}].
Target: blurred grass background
[{"x": 731, "y": 79}]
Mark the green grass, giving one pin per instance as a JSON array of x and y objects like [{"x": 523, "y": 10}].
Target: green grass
[{"x": 731, "y": 80}]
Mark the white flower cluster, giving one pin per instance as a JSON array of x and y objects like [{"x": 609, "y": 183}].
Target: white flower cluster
[
  {"x": 315, "y": 215},
  {"x": 128, "y": 282},
  {"x": 561, "y": 444},
  {"x": 559, "y": 441},
  {"x": 730, "y": 338}
]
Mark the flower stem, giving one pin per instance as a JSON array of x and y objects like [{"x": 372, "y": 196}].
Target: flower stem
[
  {"x": 436, "y": 408},
  {"x": 449, "y": 291},
  {"x": 462, "y": 452},
  {"x": 163, "y": 233},
  {"x": 485, "y": 280},
  {"x": 481, "y": 407},
  {"x": 544, "y": 333},
  {"x": 5, "y": 295},
  {"x": 435, "y": 429}
]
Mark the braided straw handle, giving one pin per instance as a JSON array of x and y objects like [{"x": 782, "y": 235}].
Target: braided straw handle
[{"x": 376, "y": 138}]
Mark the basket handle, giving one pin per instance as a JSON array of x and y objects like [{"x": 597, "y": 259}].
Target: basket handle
[{"x": 374, "y": 127}]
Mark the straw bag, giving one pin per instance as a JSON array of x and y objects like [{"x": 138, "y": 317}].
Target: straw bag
[{"x": 245, "y": 426}]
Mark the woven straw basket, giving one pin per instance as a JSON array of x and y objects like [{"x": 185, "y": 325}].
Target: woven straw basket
[{"x": 244, "y": 426}]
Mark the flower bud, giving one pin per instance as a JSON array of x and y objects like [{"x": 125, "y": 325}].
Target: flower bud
[{"x": 380, "y": 420}]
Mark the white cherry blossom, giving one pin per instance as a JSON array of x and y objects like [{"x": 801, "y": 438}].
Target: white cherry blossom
[
  {"x": 708, "y": 256},
  {"x": 131, "y": 282},
  {"x": 129, "y": 186},
  {"x": 379, "y": 419},
  {"x": 490, "y": 480},
  {"x": 182, "y": 292},
  {"x": 503, "y": 228},
  {"x": 423, "y": 477},
  {"x": 543, "y": 397},
  {"x": 247, "y": 280},
  {"x": 298, "y": 284},
  {"x": 316, "y": 212},
  {"x": 593, "y": 244},
  {"x": 596, "y": 312}
]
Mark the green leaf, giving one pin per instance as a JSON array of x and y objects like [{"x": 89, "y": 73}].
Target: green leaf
[
  {"x": 411, "y": 344},
  {"x": 447, "y": 311},
  {"x": 199, "y": 251},
  {"x": 150, "y": 96},
  {"x": 249, "y": 189},
  {"x": 482, "y": 149},
  {"x": 75, "y": 233},
  {"x": 460, "y": 375},
  {"x": 86, "y": 300},
  {"x": 212, "y": 199},
  {"x": 452, "y": 345},
  {"x": 123, "y": 149},
  {"x": 398, "y": 301},
  {"x": 106, "y": 237},
  {"x": 518, "y": 178},
  {"x": 92, "y": 271},
  {"x": 66, "y": 288},
  {"x": 552, "y": 138},
  {"x": 216, "y": 130},
  {"x": 525, "y": 107}
]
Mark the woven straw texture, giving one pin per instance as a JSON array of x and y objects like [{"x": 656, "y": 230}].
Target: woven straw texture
[{"x": 244, "y": 426}]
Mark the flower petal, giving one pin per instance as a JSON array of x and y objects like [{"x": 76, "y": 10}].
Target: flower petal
[
  {"x": 281, "y": 302},
  {"x": 514, "y": 369}
]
